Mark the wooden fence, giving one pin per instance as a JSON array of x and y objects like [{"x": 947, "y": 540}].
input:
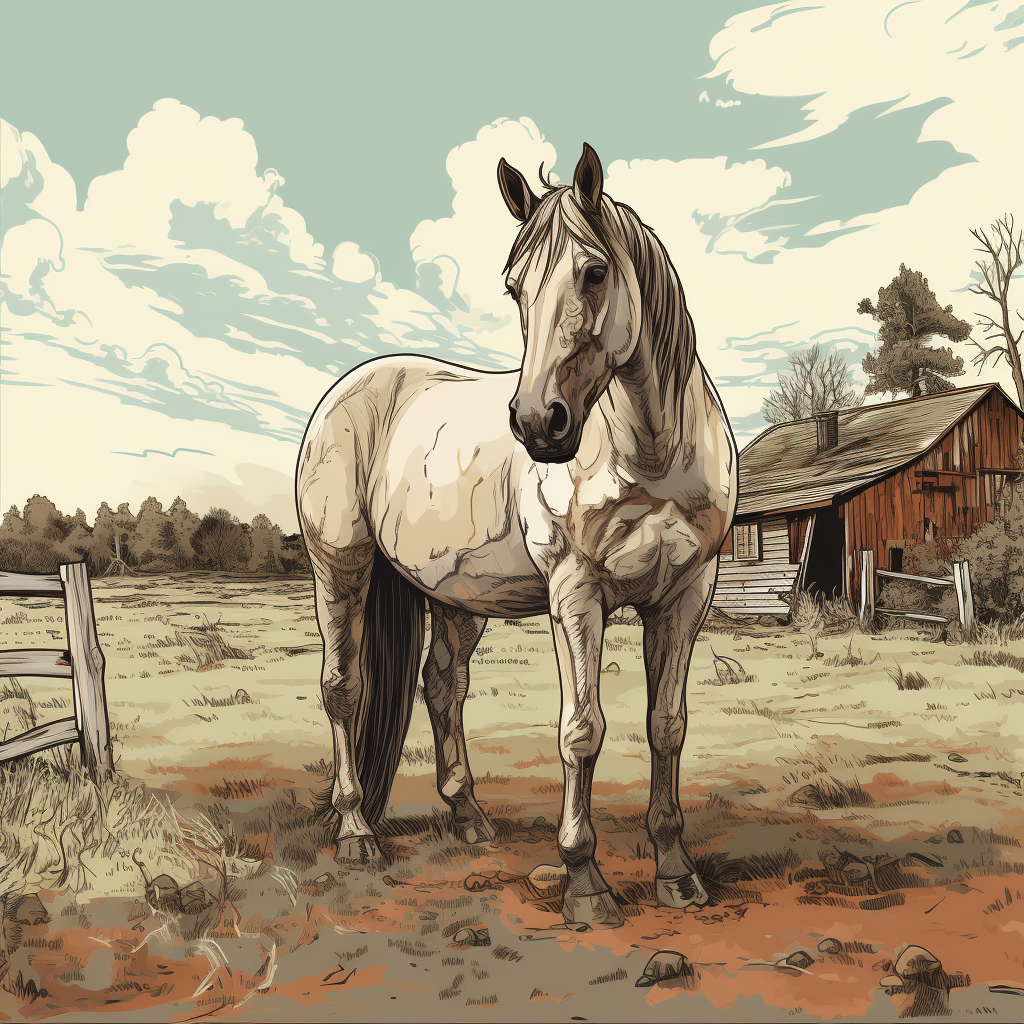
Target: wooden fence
[
  {"x": 960, "y": 581},
  {"x": 82, "y": 663}
]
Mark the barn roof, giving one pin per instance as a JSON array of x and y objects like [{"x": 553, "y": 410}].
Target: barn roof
[{"x": 781, "y": 470}]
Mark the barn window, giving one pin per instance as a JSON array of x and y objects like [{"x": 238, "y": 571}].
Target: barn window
[{"x": 746, "y": 542}]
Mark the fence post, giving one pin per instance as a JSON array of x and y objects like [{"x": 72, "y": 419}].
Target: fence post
[
  {"x": 867, "y": 588},
  {"x": 964, "y": 596},
  {"x": 87, "y": 666}
]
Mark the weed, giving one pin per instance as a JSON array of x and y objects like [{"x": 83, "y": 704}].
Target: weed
[
  {"x": 996, "y": 659},
  {"x": 832, "y": 793},
  {"x": 910, "y": 681}
]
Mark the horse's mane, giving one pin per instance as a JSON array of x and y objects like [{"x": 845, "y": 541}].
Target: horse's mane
[{"x": 560, "y": 218}]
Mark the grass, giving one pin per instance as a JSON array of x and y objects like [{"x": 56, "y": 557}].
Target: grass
[
  {"x": 995, "y": 659},
  {"x": 910, "y": 681},
  {"x": 832, "y": 794}
]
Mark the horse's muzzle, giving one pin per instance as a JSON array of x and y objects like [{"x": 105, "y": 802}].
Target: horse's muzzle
[{"x": 548, "y": 434}]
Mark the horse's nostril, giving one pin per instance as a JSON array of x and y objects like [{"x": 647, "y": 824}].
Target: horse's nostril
[{"x": 559, "y": 419}]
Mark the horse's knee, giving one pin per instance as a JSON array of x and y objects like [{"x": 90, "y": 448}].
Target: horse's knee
[
  {"x": 581, "y": 733},
  {"x": 667, "y": 732},
  {"x": 341, "y": 695}
]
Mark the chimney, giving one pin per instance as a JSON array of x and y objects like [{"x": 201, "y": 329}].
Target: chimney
[{"x": 827, "y": 429}]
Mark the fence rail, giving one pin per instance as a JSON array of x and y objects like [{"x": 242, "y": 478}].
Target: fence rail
[
  {"x": 82, "y": 662},
  {"x": 960, "y": 581}
]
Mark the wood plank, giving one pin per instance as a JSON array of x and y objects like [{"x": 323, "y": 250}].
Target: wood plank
[
  {"x": 34, "y": 663},
  {"x": 53, "y": 734},
  {"x": 25, "y": 584},
  {"x": 916, "y": 616},
  {"x": 87, "y": 659},
  {"x": 757, "y": 570},
  {"x": 936, "y": 581}
]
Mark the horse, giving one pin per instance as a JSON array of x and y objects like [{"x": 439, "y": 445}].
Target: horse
[{"x": 601, "y": 473}]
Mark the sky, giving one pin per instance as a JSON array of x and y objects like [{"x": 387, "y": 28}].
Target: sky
[{"x": 211, "y": 211}]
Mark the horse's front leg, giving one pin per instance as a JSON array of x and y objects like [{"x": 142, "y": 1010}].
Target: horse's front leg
[
  {"x": 669, "y": 634},
  {"x": 577, "y": 621}
]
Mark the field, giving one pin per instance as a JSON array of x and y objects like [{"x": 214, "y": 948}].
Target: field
[{"x": 838, "y": 785}]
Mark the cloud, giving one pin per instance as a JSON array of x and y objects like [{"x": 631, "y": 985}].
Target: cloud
[
  {"x": 185, "y": 306},
  {"x": 469, "y": 248}
]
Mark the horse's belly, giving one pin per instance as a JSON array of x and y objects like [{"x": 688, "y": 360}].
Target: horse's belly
[{"x": 447, "y": 511}]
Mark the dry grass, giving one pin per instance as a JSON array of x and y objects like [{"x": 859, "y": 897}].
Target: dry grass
[
  {"x": 910, "y": 681},
  {"x": 996, "y": 659},
  {"x": 832, "y": 793}
]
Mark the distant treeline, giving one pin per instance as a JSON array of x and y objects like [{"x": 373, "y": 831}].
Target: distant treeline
[{"x": 40, "y": 538}]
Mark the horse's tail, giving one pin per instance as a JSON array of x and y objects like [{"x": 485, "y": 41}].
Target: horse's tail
[{"x": 393, "y": 632}]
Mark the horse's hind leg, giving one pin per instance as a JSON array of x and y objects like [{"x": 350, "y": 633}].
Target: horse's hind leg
[
  {"x": 669, "y": 634},
  {"x": 340, "y": 600},
  {"x": 454, "y": 635}
]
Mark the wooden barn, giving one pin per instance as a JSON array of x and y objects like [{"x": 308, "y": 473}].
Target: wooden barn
[{"x": 882, "y": 477}]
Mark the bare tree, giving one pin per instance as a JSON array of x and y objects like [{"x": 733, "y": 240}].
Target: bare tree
[
  {"x": 1000, "y": 260},
  {"x": 817, "y": 384}
]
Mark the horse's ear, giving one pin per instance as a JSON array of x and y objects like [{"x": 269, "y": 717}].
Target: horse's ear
[
  {"x": 516, "y": 193},
  {"x": 588, "y": 181}
]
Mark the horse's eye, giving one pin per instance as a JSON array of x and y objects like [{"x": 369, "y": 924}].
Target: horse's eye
[
  {"x": 511, "y": 290},
  {"x": 595, "y": 274}
]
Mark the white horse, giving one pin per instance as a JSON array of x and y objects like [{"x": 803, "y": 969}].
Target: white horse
[{"x": 614, "y": 482}]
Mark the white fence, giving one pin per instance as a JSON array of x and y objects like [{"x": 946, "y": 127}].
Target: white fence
[
  {"x": 84, "y": 668},
  {"x": 960, "y": 581}
]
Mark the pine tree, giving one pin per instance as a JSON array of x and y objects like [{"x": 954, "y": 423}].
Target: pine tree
[{"x": 910, "y": 316}]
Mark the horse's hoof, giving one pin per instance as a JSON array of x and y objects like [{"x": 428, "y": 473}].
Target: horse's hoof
[
  {"x": 362, "y": 849},
  {"x": 681, "y": 892},
  {"x": 477, "y": 830},
  {"x": 597, "y": 910}
]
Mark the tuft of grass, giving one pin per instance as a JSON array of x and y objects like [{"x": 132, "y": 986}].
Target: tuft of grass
[
  {"x": 833, "y": 794},
  {"x": 730, "y": 671},
  {"x": 995, "y": 659},
  {"x": 419, "y": 754},
  {"x": 849, "y": 658},
  {"x": 206, "y": 646},
  {"x": 1001, "y": 633},
  {"x": 812, "y": 611},
  {"x": 910, "y": 681},
  {"x": 617, "y": 975}
]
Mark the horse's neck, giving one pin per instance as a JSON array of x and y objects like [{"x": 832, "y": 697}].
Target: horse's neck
[{"x": 645, "y": 413}]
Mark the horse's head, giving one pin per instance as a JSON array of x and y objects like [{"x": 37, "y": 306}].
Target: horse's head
[{"x": 579, "y": 305}]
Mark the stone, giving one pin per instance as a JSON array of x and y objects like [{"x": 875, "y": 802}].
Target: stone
[
  {"x": 163, "y": 893},
  {"x": 916, "y": 963},
  {"x": 548, "y": 877},
  {"x": 473, "y": 937},
  {"x": 832, "y": 946},
  {"x": 954, "y": 836},
  {"x": 665, "y": 965},
  {"x": 954, "y": 756},
  {"x": 800, "y": 959}
]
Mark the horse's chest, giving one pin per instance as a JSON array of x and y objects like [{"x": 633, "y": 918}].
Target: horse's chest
[
  {"x": 641, "y": 540},
  {"x": 635, "y": 541}
]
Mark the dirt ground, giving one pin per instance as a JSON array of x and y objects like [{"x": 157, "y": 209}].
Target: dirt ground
[{"x": 838, "y": 785}]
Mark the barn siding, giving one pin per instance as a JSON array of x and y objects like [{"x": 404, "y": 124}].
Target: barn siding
[
  {"x": 762, "y": 587},
  {"x": 946, "y": 486}
]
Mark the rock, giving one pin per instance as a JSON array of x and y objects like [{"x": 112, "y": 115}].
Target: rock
[
  {"x": 954, "y": 756},
  {"x": 954, "y": 836},
  {"x": 613, "y": 668},
  {"x": 800, "y": 959},
  {"x": 893, "y": 986},
  {"x": 832, "y": 946},
  {"x": 547, "y": 877},
  {"x": 477, "y": 883},
  {"x": 26, "y": 909},
  {"x": 195, "y": 899},
  {"x": 934, "y": 839},
  {"x": 163, "y": 893},
  {"x": 241, "y": 697},
  {"x": 473, "y": 937},
  {"x": 665, "y": 965},
  {"x": 856, "y": 873},
  {"x": 915, "y": 963}
]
